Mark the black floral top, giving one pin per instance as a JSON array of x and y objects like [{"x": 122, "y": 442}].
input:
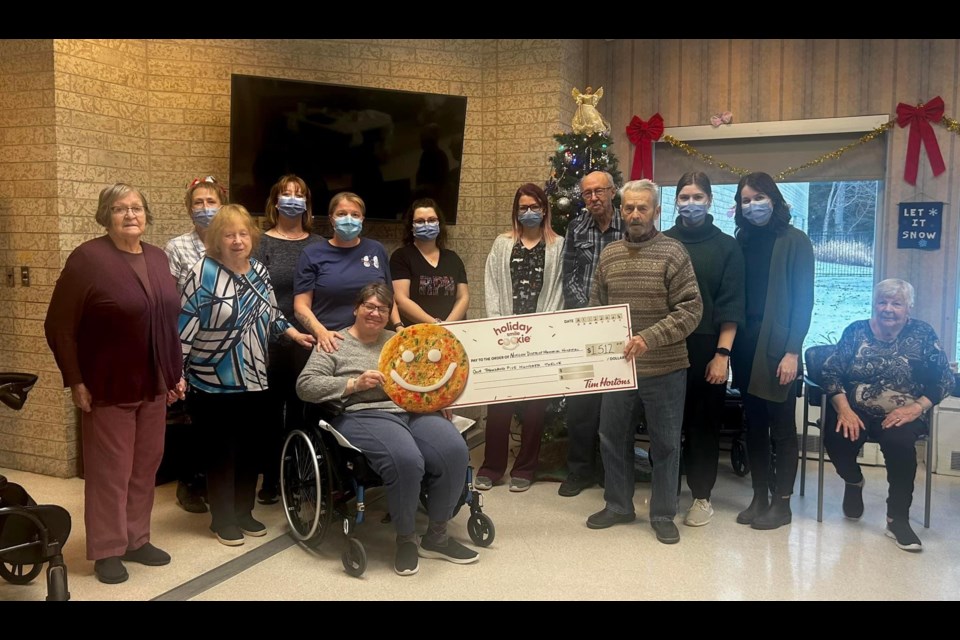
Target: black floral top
[
  {"x": 526, "y": 272},
  {"x": 879, "y": 376}
]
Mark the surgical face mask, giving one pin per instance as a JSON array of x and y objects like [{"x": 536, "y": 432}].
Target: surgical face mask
[
  {"x": 347, "y": 227},
  {"x": 291, "y": 206},
  {"x": 426, "y": 231},
  {"x": 530, "y": 218},
  {"x": 202, "y": 217},
  {"x": 758, "y": 213},
  {"x": 693, "y": 212}
]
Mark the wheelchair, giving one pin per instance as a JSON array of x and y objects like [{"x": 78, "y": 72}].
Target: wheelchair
[
  {"x": 324, "y": 477},
  {"x": 31, "y": 535}
]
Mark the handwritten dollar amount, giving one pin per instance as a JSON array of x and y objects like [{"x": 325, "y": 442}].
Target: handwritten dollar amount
[{"x": 604, "y": 348}]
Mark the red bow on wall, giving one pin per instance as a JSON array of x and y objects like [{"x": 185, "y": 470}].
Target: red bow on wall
[
  {"x": 919, "y": 119},
  {"x": 643, "y": 135}
]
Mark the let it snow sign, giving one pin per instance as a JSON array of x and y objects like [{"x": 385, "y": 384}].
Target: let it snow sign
[{"x": 920, "y": 224}]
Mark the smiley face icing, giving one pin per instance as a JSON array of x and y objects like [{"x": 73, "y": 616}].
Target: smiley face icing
[{"x": 426, "y": 368}]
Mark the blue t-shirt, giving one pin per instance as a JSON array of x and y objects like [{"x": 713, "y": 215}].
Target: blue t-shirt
[{"x": 336, "y": 274}]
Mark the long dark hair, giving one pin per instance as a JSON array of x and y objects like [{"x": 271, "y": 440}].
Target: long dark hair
[
  {"x": 762, "y": 182},
  {"x": 424, "y": 203}
]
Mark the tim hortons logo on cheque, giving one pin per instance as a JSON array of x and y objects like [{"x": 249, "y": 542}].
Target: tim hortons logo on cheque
[{"x": 511, "y": 334}]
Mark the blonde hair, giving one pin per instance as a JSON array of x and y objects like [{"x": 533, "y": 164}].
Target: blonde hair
[
  {"x": 346, "y": 195},
  {"x": 229, "y": 214}
]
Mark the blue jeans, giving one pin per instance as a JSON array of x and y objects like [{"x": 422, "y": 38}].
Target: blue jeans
[{"x": 662, "y": 398}]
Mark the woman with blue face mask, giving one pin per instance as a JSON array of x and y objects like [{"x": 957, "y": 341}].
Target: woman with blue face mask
[
  {"x": 522, "y": 275},
  {"x": 289, "y": 213},
  {"x": 204, "y": 197},
  {"x": 718, "y": 263},
  {"x": 330, "y": 274},
  {"x": 429, "y": 280},
  {"x": 778, "y": 260}
]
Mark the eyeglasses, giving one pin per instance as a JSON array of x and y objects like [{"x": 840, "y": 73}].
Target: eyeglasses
[
  {"x": 594, "y": 192},
  {"x": 370, "y": 308},
  {"x": 123, "y": 210},
  {"x": 533, "y": 207}
]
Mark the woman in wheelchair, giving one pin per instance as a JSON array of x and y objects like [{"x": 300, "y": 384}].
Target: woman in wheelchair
[
  {"x": 401, "y": 447},
  {"x": 884, "y": 377}
]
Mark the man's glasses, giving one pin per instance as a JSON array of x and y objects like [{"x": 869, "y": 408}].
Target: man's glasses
[
  {"x": 123, "y": 210},
  {"x": 370, "y": 308},
  {"x": 594, "y": 192}
]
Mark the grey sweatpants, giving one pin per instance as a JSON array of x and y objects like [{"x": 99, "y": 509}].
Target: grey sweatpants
[{"x": 403, "y": 447}]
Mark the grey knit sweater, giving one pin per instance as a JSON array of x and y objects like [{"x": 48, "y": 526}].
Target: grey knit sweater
[{"x": 325, "y": 375}]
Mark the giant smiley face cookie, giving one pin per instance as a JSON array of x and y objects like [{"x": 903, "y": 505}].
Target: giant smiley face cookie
[{"x": 425, "y": 366}]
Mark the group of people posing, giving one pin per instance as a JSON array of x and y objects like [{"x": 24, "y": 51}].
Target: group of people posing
[{"x": 253, "y": 324}]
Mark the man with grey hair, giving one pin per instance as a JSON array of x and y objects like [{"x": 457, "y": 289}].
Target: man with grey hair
[
  {"x": 593, "y": 229},
  {"x": 653, "y": 274}
]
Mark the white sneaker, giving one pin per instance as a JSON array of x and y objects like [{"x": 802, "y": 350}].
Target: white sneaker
[{"x": 699, "y": 513}]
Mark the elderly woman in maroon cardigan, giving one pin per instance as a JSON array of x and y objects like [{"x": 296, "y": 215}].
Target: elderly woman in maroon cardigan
[{"x": 112, "y": 327}]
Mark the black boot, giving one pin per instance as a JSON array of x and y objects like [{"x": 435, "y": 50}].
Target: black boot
[
  {"x": 776, "y": 516},
  {"x": 757, "y": 506}
]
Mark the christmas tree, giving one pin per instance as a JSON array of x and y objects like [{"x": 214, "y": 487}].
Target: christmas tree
[{"x": 577, "y": 155}]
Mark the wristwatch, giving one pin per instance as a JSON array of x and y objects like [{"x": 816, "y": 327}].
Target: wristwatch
[{"x": 723, "y": 351}]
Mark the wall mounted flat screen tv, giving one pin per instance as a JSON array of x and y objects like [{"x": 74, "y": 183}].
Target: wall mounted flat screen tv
[{"x": 389, "y": 147}]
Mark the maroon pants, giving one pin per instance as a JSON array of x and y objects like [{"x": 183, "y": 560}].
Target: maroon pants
[
  {"x": 497, "y": 445},
  {"x": 122, "y": 449}
]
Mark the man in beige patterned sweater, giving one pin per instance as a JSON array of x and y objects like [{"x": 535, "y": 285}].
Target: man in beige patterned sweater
[{"x": 653, "y": 274}]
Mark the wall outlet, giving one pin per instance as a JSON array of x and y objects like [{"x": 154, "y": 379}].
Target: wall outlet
[{"x": 25, "y": 276}]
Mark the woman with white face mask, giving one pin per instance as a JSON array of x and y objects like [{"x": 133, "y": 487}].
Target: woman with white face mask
[
  {"x": 329, "y": 274},
  {"x": 429, "y": 280},
  {"x": 718, "y": 263},
  {"x": 289, "y": 213},
  {"x": 766, "y": 356}
]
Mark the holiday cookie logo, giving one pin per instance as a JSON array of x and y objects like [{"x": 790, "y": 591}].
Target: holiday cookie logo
[{"x": 512, "y": 334}]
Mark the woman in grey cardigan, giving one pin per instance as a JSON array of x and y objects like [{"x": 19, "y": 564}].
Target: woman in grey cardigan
[{"x": 522, "y": 275}]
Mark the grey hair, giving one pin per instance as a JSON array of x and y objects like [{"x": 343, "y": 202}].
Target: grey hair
[
  {"x": 610, "y": 181},
  {"x": 894, "y": 287},
  {"x": 642, "y": 185},
  {"x": 111, "y": 194}
]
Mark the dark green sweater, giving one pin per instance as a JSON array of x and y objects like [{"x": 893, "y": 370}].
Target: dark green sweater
[{"x": 718, "y": 263}]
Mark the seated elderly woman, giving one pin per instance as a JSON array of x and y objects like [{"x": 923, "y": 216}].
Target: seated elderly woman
[
  {"x": 883, "y": 379},
  {"x": 401, "y": 447}
]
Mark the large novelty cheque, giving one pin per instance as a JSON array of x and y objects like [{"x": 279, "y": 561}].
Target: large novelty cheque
[{"x": 508, "y": 358}]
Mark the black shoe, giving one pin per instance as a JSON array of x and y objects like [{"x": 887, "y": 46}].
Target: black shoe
[
  {"x": 757, "y": 506},
  {"x": 607, "y": 518},
  {"x": 853, "y": 500},
  {"x": 574, "y": 484},
  {"x": 189, "y": 500},
  {"x": 776, "y": 516},
  {"x": 451, "y": 550},
  {"x": 904, "y": 536},
  {"x": 110, "y": 570},
  {"x": 251, "y": 526},
  {"x": 268, "y": 495},
  {"x": 229, "y": 535},
  {"x": 148, "y": 555},
  {"x": 407, "y": 561},
  {"x": 667, "y": 532}
]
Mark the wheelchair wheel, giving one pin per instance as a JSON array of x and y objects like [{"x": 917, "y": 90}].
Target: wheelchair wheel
[
  {"x": 19, "y": 573},
  {"x": 57, "y": 584},
  {"x": 481, "y": 529},
  {"x": 306, "y": 486},
  {"x": 738, "y": 458},
  {"x": 354, "y": 558}
]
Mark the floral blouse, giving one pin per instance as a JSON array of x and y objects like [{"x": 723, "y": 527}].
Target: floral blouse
[
  {"x": 878, "y": 376},
  {"x": 526, "y": 272}
]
